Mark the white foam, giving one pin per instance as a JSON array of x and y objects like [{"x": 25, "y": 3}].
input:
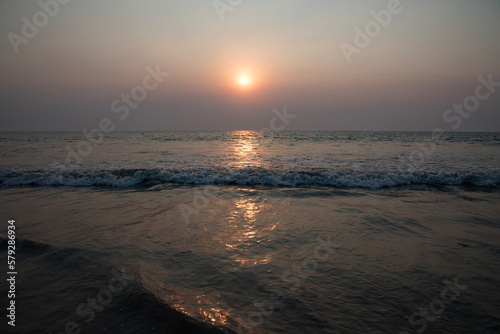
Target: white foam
[{"x": 373, "y": 178}]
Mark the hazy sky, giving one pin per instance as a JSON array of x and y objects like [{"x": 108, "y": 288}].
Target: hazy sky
[{"x": 86, "y": 54}]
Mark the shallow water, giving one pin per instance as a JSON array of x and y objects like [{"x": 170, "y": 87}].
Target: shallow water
[{"x": 306, "y": 232}]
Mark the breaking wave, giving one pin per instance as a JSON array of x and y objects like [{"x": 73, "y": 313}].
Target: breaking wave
[{"x": 374, "y": 177}]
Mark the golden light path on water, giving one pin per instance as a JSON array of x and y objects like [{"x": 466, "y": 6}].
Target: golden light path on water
[
  {"x": 246, "y": 149},
  {"x": 244, "y": 226}
]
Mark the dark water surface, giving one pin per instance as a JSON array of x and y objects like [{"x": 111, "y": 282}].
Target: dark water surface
[{"x": 296, "y": 232}]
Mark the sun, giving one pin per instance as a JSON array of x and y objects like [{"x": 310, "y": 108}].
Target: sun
[{"x": 244, "y": 81}]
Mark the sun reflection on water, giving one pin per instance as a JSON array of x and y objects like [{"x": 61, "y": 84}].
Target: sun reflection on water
[
  {"x": 211, "y": 312},
  {"x": 245, "y": 148},
  {"x": 244, "y": 235}
]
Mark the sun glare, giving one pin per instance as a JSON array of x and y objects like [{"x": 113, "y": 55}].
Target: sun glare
[{"x": 244, "y": 81}]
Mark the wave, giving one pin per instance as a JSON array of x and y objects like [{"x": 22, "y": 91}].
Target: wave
[
  {"x": 374, "y": 177},
  {"x": 136, "y": 309}
]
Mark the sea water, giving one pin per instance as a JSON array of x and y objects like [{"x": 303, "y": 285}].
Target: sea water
[{"x": 251, "y": 232}]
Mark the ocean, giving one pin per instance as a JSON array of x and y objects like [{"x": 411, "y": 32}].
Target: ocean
[{"x": 252, "y": 232}]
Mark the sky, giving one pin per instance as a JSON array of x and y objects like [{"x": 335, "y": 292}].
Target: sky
[{"x": 226, "y": 64}]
